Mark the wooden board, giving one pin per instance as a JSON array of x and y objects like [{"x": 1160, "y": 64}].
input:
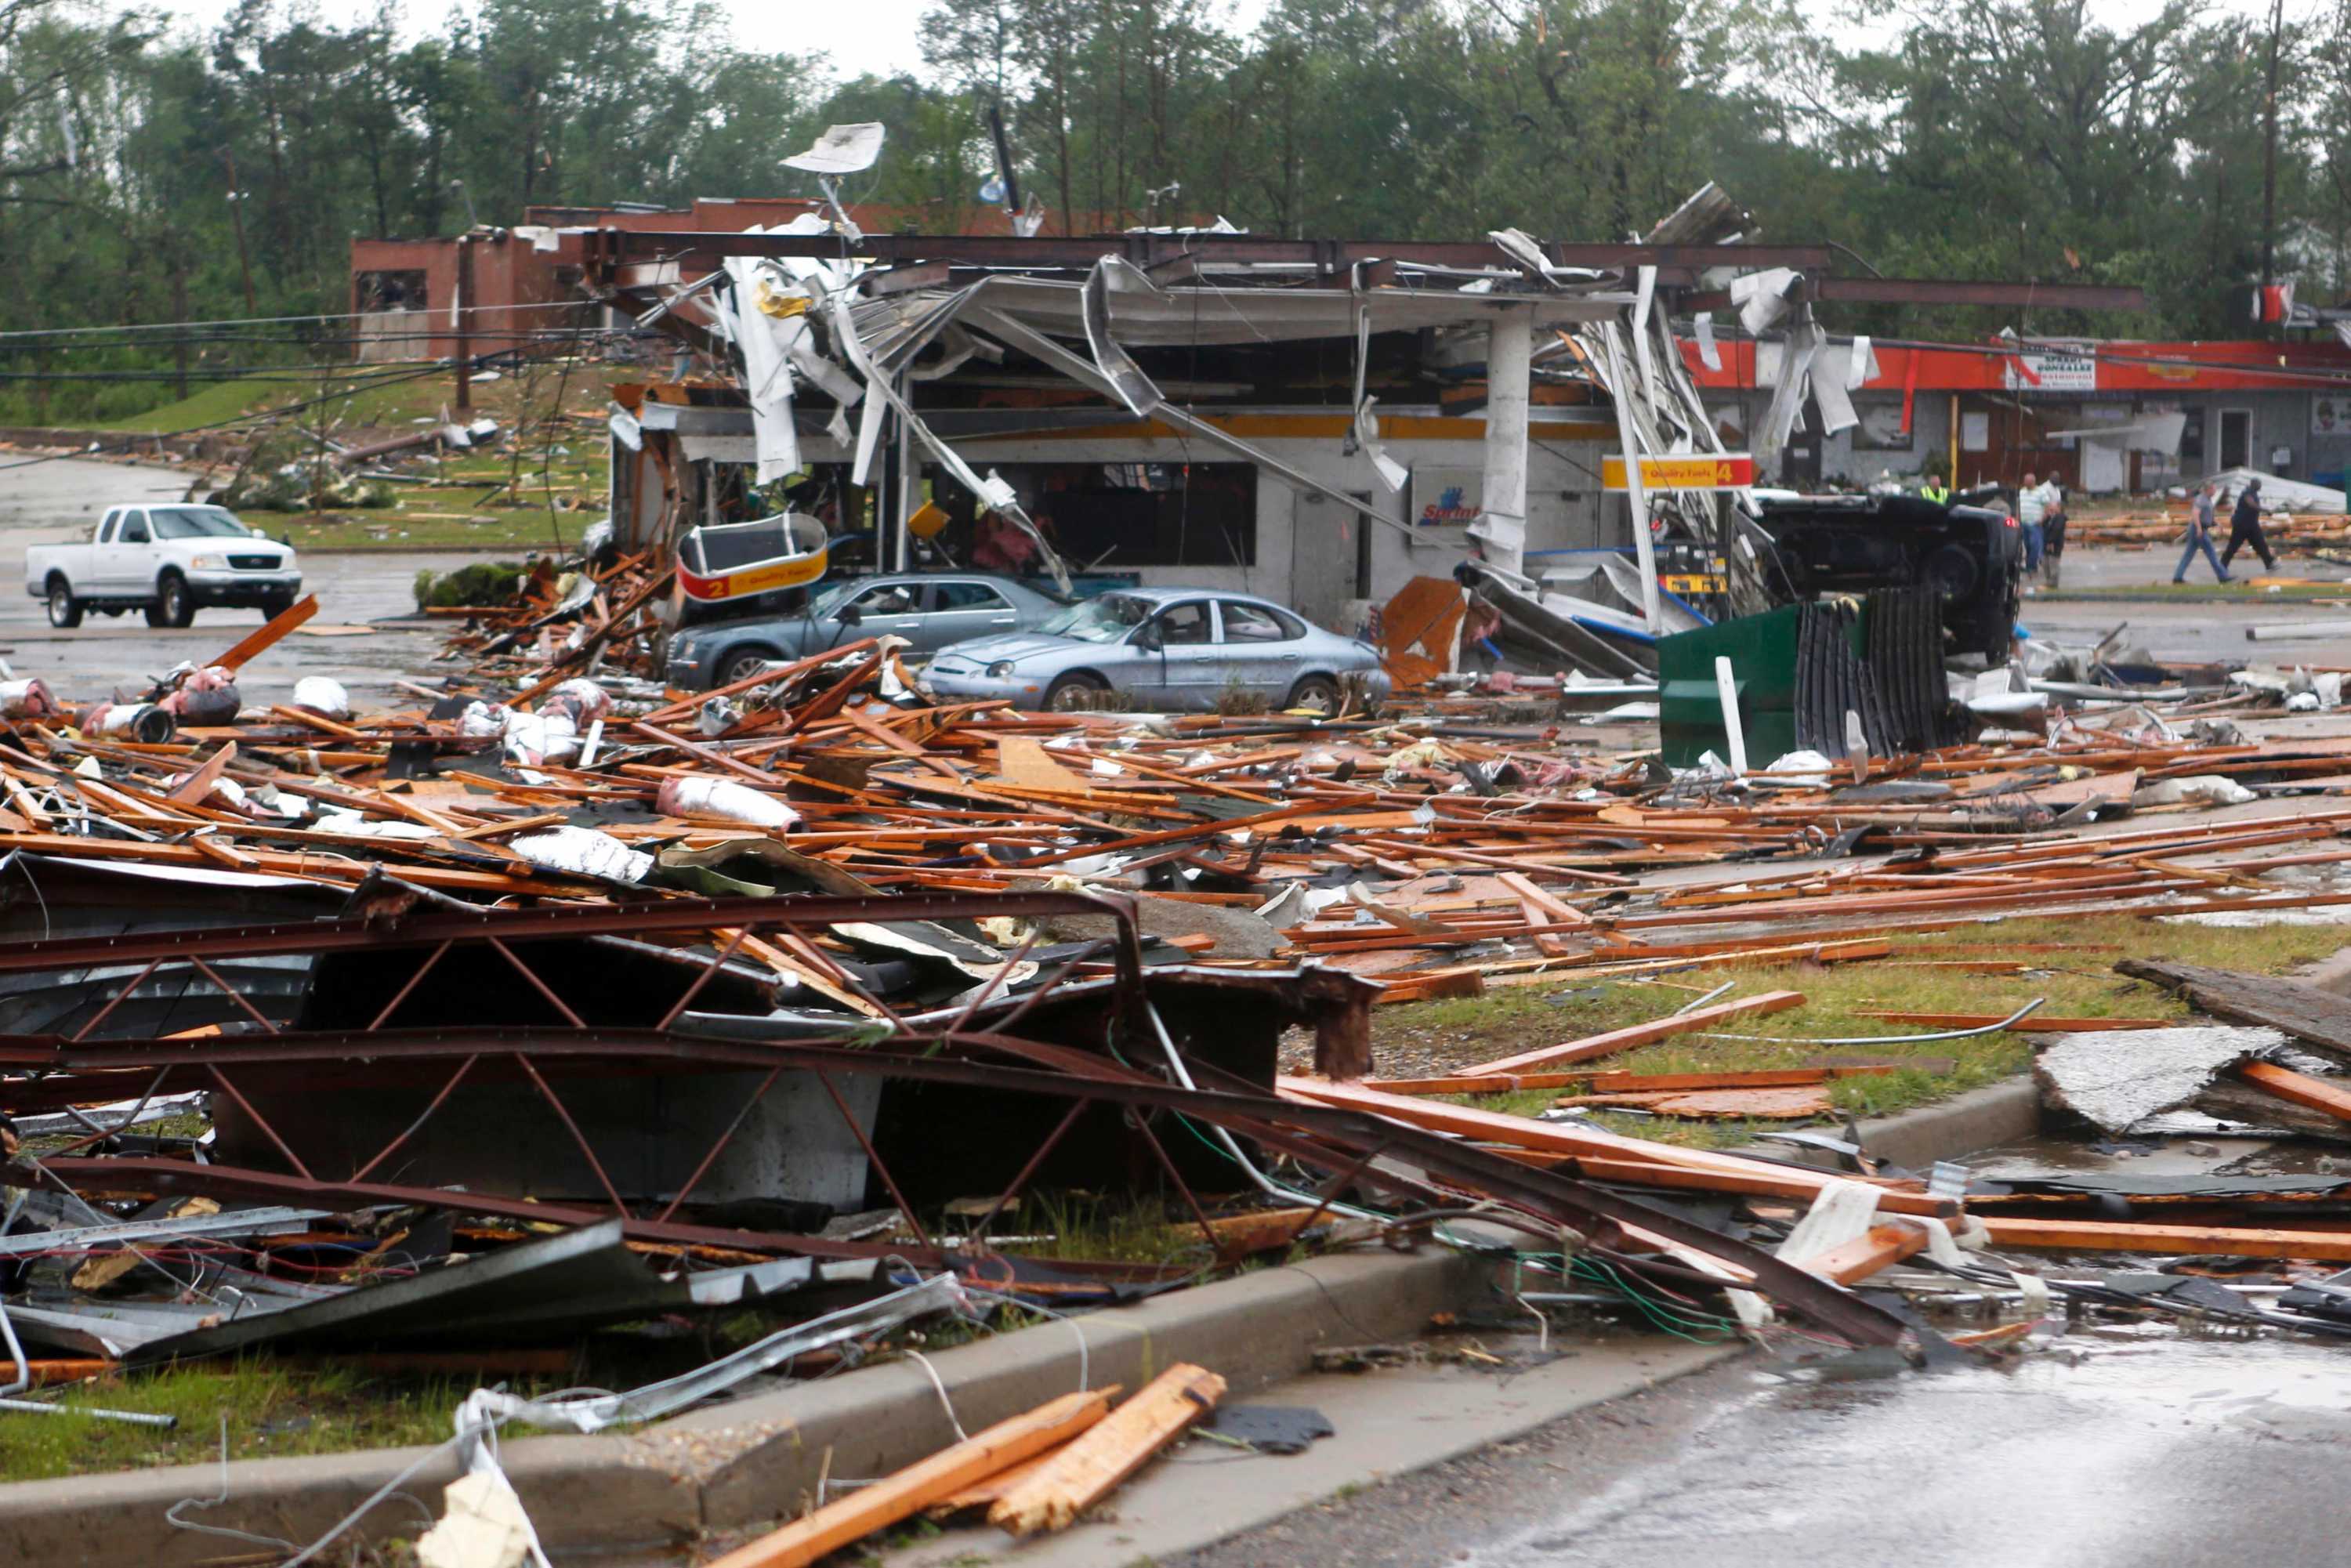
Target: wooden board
[
  {"x": 1085, "y": 1472},
  {"x": 1714, "y": 1104},
  {"x": 1625, "y": 1039},
  {"x": 916, "y": 1488},
  {"x": 1882, "y": 1247},
  {"x": 2235, "y": 1241},
  {"x": 2320, "y": 1019},
  {"x": 2299, "y": 1088}
]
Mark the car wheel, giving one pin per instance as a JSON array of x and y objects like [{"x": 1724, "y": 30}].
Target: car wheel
[
  {"x": 65, "y": 610},
  {"x": 743, "y": 665},
  {"x": 173, "y": 605},
  {"x": 1074, "y": 693},
  {"x": 1318, "y": 695}
]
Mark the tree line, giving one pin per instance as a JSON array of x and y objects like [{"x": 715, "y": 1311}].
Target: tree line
[{"x": 154, "y": 177}]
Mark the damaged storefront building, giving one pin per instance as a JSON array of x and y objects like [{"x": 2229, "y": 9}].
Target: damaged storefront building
[
  {"x": 2100, "y": 416},
  {"x": 1318, "y": 421}
]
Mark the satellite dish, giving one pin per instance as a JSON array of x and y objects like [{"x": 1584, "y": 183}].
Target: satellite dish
[{"x": 841, "y": 149}]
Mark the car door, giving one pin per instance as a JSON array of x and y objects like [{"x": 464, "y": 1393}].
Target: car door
[
  {"x": 1263, "y": 647},
  {"x": 87, "y": 568},
  {"x": 961, "y": 608},
  {"x": 125, "y": 564},
  {"x": 1186, "y": 669},
  {"x": 892, "y": 609}
]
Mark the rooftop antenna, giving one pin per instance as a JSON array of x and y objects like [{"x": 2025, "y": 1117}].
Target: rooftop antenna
[
  {"x": 841, "y": 149},
  {"x": 473, "y": 219}
]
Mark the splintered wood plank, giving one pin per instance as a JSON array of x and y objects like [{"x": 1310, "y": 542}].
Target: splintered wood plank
[
  {"x": 1882, "y": 1247},
  {"x": 916, "y": 1488},
  {"x": 2300, "y": 1088},
  {"x": 1633, "y": 1035},
  {"x": 268, "y": 634},
  {"x": 2236, "y": 1241},
  {"x": 1714, "y": 1104},
  {"x": 1760, "y": 1184},
  {"x": 1550, "y": 1137},
  {"x": 1085, "y": 1472},
  {"x": 1616, "y": 1082},
  {"x": 981, "y": 1495}
]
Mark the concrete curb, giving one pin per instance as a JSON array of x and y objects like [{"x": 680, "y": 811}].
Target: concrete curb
[
  {"x": 755, "y": 1458},
  {"x": 1980, "y": 1119},
  {"x": 1948, "y": 1130}
]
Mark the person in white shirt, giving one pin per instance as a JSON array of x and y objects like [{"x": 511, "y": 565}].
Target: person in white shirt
[{"x": 2032, "y": 506}]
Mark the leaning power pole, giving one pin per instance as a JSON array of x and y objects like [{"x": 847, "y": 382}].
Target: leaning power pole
[{"x": 2269, "y": 150}]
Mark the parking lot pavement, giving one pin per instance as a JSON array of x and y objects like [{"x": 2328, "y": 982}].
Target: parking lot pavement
[{"x": 52, "y": 501}]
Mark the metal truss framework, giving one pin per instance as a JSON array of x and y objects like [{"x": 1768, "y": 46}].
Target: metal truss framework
[{"x": 1348, "y": 1148}]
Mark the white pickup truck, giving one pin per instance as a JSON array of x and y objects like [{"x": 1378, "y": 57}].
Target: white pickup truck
[{"x": 169, "y": 561}]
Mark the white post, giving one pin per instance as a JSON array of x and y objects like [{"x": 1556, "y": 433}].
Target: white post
[
  {"x": 902, "y": 554},
  {"x": 1726, "y": 686},
  {"x": 1635, "y": 493},
  {"x": 1509, "y": 355}
]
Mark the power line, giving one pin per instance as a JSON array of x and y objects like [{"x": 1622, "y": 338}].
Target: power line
[{"x": 283, "y": 320}]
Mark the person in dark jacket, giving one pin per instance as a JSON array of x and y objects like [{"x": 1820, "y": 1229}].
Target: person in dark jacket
[
  {"x": 2245, "y": 527},
  {"x": 2053, "y": 535}
]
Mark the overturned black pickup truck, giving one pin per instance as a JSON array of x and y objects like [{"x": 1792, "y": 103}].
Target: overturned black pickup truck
[{"x": 1972, "y": 555}]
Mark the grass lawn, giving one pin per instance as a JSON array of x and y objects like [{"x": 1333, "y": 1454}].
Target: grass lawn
[
  {"x": 506, "y": 531},
  {"x": 1427, "y": 1038},
  {"x": 500, "y": 498},
  {"x": 273, "y": 1409}
]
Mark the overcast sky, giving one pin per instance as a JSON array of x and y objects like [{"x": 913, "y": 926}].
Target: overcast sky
[{"x": 878, "y": 35}]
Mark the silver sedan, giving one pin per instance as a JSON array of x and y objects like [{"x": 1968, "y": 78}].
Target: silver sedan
[
  {"x": 929, "y": 609},
  {"x": 1163, "y": 648}
]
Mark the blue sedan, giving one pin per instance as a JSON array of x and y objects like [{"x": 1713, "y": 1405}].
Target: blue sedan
[{"x": 1163, "y": 648}]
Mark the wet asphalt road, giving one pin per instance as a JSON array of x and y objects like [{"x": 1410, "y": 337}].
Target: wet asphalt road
[
  {"x": 2133, "y": 1449},
  {"x": 52, "y": 501}
]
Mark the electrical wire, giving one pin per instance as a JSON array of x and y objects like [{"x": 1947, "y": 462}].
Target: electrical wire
[{"x": 1884, "y": 1039}]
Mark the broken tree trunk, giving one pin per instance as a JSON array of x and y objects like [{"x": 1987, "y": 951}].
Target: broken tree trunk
[{"x": 1084, "y": 1473}]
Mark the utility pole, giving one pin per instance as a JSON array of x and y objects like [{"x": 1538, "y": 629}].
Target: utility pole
[
  {"x": 179, "y": 314},
  {"x": 2268, "y": 152},
  {"x": 237, "y": 214},
  {"x": 464, "y": 321}
]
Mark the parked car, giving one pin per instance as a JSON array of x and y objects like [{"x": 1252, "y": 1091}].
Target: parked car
[
  {"x": 930, "y": 610},
  {"x": 170, "y": 561},
  {"x": 1165, "y": 648}
]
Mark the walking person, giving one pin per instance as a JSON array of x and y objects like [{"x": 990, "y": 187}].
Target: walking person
[
  {"x": 2199, "y": 536},
  {"x": 2032, "y": 505},
  {"x": 2053, "y": 535},
  {"x": 2245, "y": 527}
]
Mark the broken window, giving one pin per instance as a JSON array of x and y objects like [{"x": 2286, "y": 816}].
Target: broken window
[{"x": 403, "y": 290}]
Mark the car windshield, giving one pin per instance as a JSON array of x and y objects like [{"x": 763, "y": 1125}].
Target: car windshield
[
  {"x": 1104, "y": 620},
  {"x": 195, "y": 523}
]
